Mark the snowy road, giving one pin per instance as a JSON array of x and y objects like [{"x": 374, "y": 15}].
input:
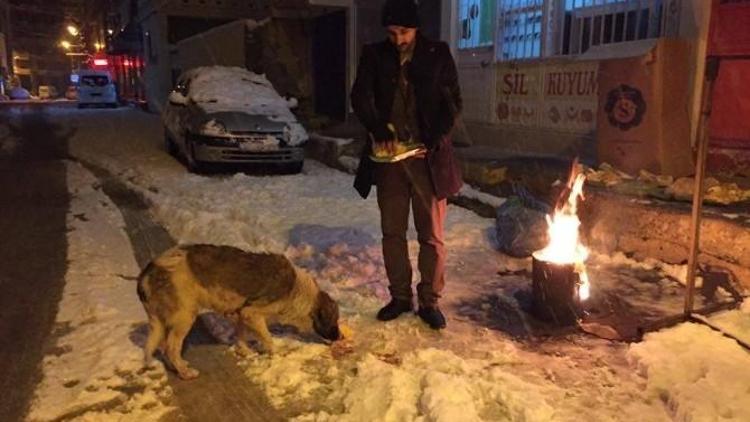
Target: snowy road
[{"x": 400, "y": 371}]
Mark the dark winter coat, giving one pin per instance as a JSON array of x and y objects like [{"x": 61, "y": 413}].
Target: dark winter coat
[{"x": 432, "y": 72}]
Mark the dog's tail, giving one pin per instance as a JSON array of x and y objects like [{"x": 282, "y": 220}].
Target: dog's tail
[{"x": 167, "y": 261}]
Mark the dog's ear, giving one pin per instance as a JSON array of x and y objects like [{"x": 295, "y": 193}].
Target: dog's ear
[{"x": 326, "y": 317}]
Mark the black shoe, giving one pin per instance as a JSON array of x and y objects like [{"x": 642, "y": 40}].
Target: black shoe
[
  {"x": 432, "y": 316},
  {"x": 393, "y": 309}
]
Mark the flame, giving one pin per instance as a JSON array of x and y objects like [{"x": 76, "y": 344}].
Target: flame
[{"x": 564, "y": 245}]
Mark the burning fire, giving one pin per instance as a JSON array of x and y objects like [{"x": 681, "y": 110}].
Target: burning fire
[{"x": 564, "y": 245}]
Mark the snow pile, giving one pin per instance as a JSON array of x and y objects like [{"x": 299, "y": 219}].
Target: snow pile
[
  {"x": 677, "y": 272},
  {"x": 436, "y": 385},
  {"x": 485, "y": 198},
  {"x": 736, "y": 323},
  {"x": 698, "y": 373},
  {"x": 220, "y": 88},
  {"x": 94, "y": 371},
  {"x": 384, "y": 385}
]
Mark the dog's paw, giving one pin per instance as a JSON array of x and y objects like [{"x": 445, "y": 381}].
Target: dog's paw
[{"x": 189, "y": 373}]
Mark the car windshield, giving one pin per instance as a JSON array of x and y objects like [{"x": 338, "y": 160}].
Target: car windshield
[{"x": 94, "y": 80}]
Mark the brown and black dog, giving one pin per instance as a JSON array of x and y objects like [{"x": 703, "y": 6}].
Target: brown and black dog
[{"x": 253, "y": 288}]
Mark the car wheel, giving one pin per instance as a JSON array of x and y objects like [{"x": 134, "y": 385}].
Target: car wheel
[
  {"x": 169, "y": 144},
  {"x": 193, "y": 165}
]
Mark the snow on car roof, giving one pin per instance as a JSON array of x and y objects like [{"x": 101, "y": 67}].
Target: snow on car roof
[
  {"x": 233, "y": 87},
  {"x": 222, "y": 88}
]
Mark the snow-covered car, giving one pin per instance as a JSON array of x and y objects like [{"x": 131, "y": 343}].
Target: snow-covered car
[{"x": 230, "y": 115}]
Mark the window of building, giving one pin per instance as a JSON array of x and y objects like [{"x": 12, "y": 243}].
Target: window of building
[
  {"x": 525, "y": 29},
  {"x": 519, "y": 29},
  {"x": 589, "y": 23},
  {"x": 476, "y": 23}
]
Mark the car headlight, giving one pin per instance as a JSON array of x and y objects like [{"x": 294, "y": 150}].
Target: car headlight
[{"x": 213, "y": 127}]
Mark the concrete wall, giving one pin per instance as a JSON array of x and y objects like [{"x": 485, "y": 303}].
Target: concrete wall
[
  {"x": 285, "y": 57},
  {"x": 157, "y": 73},
  {"x": 223, "y": 45},
  {"x": 205, "y": 8}
]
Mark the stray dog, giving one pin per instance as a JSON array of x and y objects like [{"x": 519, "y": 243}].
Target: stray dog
[{"x": 249, "y": 288}]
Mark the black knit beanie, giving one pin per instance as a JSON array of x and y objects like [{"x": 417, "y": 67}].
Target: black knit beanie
[{"x": 400, "y": 13}]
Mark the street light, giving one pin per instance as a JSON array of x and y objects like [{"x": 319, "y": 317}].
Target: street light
[
  {"x": 98, "y": 46},
  {"x": 65, "y": 44},
  {"x": 72, "y": 30}
]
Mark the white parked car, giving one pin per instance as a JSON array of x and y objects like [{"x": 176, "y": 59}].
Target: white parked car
[
  {"x": 230, "y": 115},
  {"x": 96, "y": 87}
]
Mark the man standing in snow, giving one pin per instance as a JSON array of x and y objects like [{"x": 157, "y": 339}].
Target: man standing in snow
[{"x": 409, "y": 83}]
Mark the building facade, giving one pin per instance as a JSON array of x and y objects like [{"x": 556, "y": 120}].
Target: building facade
[
  {"x": 530, "y": 72},
  {"x": 317, "y": 42},
  {"x": 36, "y": 29},
  {"x": 149, "y": 30}
]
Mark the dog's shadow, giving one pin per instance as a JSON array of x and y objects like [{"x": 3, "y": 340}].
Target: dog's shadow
[
  {"x": 322, "y": 238},
  {"x": 208, "y": 329},
  {"x": 213, "y": 329}
]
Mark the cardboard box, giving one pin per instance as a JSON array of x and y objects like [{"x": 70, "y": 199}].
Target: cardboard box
[{"x": 643, "y": 116}]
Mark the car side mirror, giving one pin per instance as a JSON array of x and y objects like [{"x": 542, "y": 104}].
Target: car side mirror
[{"x": 176, "y": 98}]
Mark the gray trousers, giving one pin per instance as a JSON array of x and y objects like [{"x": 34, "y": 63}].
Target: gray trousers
[{"x": 400, "y": 185}]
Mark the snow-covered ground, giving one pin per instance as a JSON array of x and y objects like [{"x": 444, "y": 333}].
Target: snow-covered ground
[
  {"x": 399, "y": 371},
  {"x": 96, "y": 371}
]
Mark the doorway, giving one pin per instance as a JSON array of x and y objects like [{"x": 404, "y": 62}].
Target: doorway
[{"x": 329, "y": 64}]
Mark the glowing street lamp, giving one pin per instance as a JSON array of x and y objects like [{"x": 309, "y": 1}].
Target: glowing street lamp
[
  {"x": 65, "y": 44},
  {"x": 98, "y": 46},
  {"x": 72, "y": 30}
]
